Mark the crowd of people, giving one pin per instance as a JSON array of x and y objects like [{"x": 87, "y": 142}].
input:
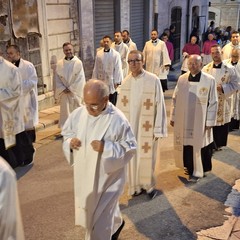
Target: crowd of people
[{"x": 111, "y": 124}]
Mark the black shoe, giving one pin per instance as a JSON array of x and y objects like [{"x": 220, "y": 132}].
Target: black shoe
[
  {"x": 193, "y": 179},
  {"x": 117, "y": 233},
  {"x": 153, "y": 194},
  {"x": 139, "y": 193},
  {"x": 58, "y": 136}
]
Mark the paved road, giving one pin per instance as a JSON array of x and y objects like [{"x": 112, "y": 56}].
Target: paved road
[{"x": 181, "y": 209}]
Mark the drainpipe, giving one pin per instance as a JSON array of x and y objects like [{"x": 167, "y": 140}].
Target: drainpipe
[
  {"x": 155, "y": 8},
  {"x": 187, "y": 20}
]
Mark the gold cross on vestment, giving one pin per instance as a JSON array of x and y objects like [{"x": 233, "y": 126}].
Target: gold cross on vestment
[
  {"x": 124, "y": 101},
  {"x": 147, "y": 126},
  {"x": 146, "y": 147},
  {"x": 147, "y": 104}
]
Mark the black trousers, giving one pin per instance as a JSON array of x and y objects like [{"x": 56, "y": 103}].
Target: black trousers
[
  {"x": 220, "y": 135},
  {"x": 206, "y": 156},
  {"x": 113, "y": 98},
  {"x": 8, "y": 154},
  {"x": 164, "y": 84},
  {"x": 22, "y": 151}
]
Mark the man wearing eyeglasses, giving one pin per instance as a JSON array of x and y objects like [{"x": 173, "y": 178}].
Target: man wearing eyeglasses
[
  {"x": 142, "y": 101},
  {"x": 99, "y": 142}
]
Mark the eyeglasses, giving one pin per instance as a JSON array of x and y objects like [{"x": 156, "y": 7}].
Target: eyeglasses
[
  {"x": 134, "y": 61},
  {"x": 92, "y": 106}
]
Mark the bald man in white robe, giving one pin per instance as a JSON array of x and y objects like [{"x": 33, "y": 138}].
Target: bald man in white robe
[{"x": 102, "y": 143}]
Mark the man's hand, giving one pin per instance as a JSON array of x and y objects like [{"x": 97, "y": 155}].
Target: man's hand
[
  {"x": 97, "y": 146},
  {"x": 75, "y": 143},
  {"x": 219, "y": 88},
  {"x": 208, "y": 127},
  {"x": 172, "y": 123}
]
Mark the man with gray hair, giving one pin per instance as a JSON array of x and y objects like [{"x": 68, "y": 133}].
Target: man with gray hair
[
  {"x": 193, "y": 115},
  {"x": 99, "y": 142}
]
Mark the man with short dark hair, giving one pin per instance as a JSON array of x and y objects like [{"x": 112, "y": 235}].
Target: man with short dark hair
[
  {"x": 29, "y": 77},
  {"x": 99, "y": 142},
  {"x": 128, "y": 41},
  {"x": 234, "y": 44},
  {"x": 122, "y": 48},
  {"x": 108, "y": 68},
  {"x": 156, "y": 57},
  {"x": 70, "y": 80}
]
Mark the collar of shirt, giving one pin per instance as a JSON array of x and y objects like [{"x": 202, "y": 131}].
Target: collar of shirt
[
  {"x": 17, "y": 63},
  {"x": 68, "y": 59},
  {"x": 234, "y": 63},
  {"x": 106, "y": 50},
  {"x": 154, "y": 41},
  {"x": 194, "y": 78},
  {"x": 217, "y": 65}
]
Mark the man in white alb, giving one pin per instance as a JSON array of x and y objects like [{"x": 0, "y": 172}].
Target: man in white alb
[
  {"x": 11, "y": 114},
  {"x": 70, "y": 80},
  {"x": 227, "y": 83},
  {"x": 28, "y": 73},
  {"x": 156, "y": 57},
  {"x": 10, "y": 215},
  {"x": 99, "y": 142},
  {"x": 108, "y": 68},
  {"x": 193, "y": 114},
  {"x": 234, "y": 44},
  {"x": 128, "y": 41},
  {"x": 122, "y": 48},
  {"x": 142, "y": 101}
]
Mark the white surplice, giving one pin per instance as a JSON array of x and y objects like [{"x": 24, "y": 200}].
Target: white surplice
[
  {"x": 194, "y": 106},
  {"x": 142, "y": 101},
  {"x": 131, "y": 45},
  {"x": 11, "y": 114},
  {"x": 99, "y": 178},
  {"x": 235, "y": 106},
  {"x": 70, "y": 75},
  {"x": 227, "y": 50},
  {"x": 108, "y": 68},
  {"x": 227, "y": 77},
  {"x": 10, "y": 217},
  {"x": 30, "y": 93},
  {"x": 122, "y": 48},
  {"x": 156, "y": 56}
]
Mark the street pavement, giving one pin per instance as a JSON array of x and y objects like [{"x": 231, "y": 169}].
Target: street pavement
[{"x": 180, "y": 210}]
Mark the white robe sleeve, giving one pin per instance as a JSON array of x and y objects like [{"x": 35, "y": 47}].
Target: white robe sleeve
[
  {"x": 160, "y": 128},
  {"x": 69, "y": 132},
  {"x": 118, "y": 73},
  {"x": 233, "y": 85},
  {"x": 79, "y": 81},
  {"x": 118, "y": 153},
  {"x": 31, "y": 82},
  {"x": 212, "y": 105},
  {"x": 173, "y": 104}
]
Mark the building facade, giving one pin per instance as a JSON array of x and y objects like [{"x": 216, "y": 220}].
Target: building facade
[
  {"x": 225, "y": 13},
  {"x": 47, "y": 24}
]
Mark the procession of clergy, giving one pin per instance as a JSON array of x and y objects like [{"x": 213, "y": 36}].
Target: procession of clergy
[{"x": 112, "y": 123}]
